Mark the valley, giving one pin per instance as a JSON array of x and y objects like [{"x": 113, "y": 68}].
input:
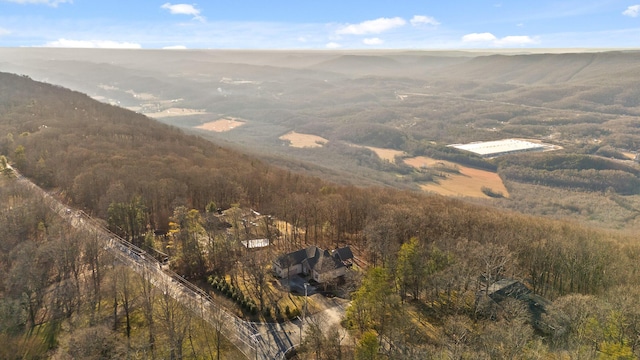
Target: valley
[
  {"x": 326, "y": 150},
  {"x": 385, "y": 102}
]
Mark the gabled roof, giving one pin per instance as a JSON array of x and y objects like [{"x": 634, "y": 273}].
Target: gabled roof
[
  {"x": 314, "y": 256},
  {"x": 344, "y": 253},
  {"x": 510, "y": 288},
  {"x": 328, "y": 263},
  {"x": 507, "y": 288},
  {"x": 293, "y": 258}
]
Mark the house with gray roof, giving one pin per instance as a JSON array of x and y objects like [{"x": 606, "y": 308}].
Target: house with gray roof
[
  {"x": 514, "y": 289},
  {"x": 314, "y": 262}
]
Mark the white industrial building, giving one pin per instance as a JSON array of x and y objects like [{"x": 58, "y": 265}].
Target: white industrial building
[{"x": 490, "y": 149}]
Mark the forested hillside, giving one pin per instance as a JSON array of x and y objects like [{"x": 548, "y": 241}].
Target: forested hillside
[
  {"x": 431, "y": 260},
  {"x": 584, "y": 172},
  {"x": 64, "y": 296},
  {"x": 412, "y": 102}
]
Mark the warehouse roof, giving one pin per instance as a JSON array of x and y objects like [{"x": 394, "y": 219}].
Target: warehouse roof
[{"x": 489, "y": 148}]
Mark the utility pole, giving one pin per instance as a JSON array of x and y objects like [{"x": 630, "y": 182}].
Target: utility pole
[
  {"x": 300, "y": 342},
  {"x": 304, "y": 313}
]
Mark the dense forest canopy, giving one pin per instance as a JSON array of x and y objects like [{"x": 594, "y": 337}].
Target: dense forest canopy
[{"x": 428, "y": 256}]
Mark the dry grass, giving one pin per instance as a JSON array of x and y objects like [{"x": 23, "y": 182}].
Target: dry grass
[
  {"x": 423, "y": 161},
  {"x": 304, "y": 140},
  {"x": 383, "y": 153},
  {"x": 469, "y": 182},
  {"x": 386, "y": 154},
  {"x": 222, "y": 125}
]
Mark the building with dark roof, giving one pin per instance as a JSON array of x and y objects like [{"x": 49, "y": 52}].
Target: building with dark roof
[
  {"x": 320, "y": 265},
  {"x": 514, "y": 289}
]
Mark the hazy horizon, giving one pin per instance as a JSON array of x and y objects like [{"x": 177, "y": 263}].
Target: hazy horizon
[{"x": 283, "y": 25}]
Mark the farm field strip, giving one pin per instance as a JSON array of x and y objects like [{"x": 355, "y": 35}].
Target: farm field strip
[
  {"x": 386, "y": 154},
  {"x": 222, "y": 125},
  {"x": 469, "y": 182},
  {"x": 299, "y": 140}
]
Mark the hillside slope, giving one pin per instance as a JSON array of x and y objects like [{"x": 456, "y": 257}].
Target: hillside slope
[
  {"x": 430, "y": 257},
  {"x": 406, "y": 101}
]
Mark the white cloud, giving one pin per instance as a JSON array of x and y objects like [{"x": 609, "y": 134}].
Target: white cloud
[
  {"x": 372, "y": 41},
  {"x": 479, "y": 37},
  {"x": 505, "y": 41},
  {"x": 52, "y": 3},
  {"x": 632, "y": 11},
  {"x": 102, "y": 44},
  {"x": 421, "y": 19},
  {"x": 4, "y": 32},
  {"x": 175, "y": 47},
  {"x": 183, "y": 9},
  {"x": 333, "y": 45},
  {"x": 516, "y": 40},
  {"x": 376, "y": 26}
]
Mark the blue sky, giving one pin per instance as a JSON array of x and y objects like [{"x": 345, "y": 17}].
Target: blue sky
[{"x": 321, "y": 24}]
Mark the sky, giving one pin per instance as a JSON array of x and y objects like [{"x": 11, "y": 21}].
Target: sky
[{"x": 320, "y": 24}]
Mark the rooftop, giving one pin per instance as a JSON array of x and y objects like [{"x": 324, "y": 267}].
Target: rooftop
[
  {"x": 255, "y": 243},
  {"x": 488, "y": 148}
]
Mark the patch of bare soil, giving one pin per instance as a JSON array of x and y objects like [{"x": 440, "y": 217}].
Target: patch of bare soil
[{"x": 303, "y": 140}]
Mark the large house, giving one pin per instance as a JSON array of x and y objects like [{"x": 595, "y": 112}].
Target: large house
[
  {"x": 321, "y": 265},
  {"x": 510, "y": 288}
]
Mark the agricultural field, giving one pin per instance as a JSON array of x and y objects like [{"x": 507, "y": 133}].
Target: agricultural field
[
  {"x": 386, "y": 154},
  {"x": 221, "y": 125},
  {"x": 299, "y": 140},
  {"x": 457, "y": 180}
]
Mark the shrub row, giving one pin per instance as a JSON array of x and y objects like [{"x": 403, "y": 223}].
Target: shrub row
[{"x": 223, "y": 287}]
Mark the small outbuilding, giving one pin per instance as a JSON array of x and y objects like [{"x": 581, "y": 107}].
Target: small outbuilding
[{"x": 255, "y": 243}]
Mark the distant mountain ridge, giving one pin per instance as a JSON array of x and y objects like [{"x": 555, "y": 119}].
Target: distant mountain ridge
[{"x": 545, "y": 69}]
